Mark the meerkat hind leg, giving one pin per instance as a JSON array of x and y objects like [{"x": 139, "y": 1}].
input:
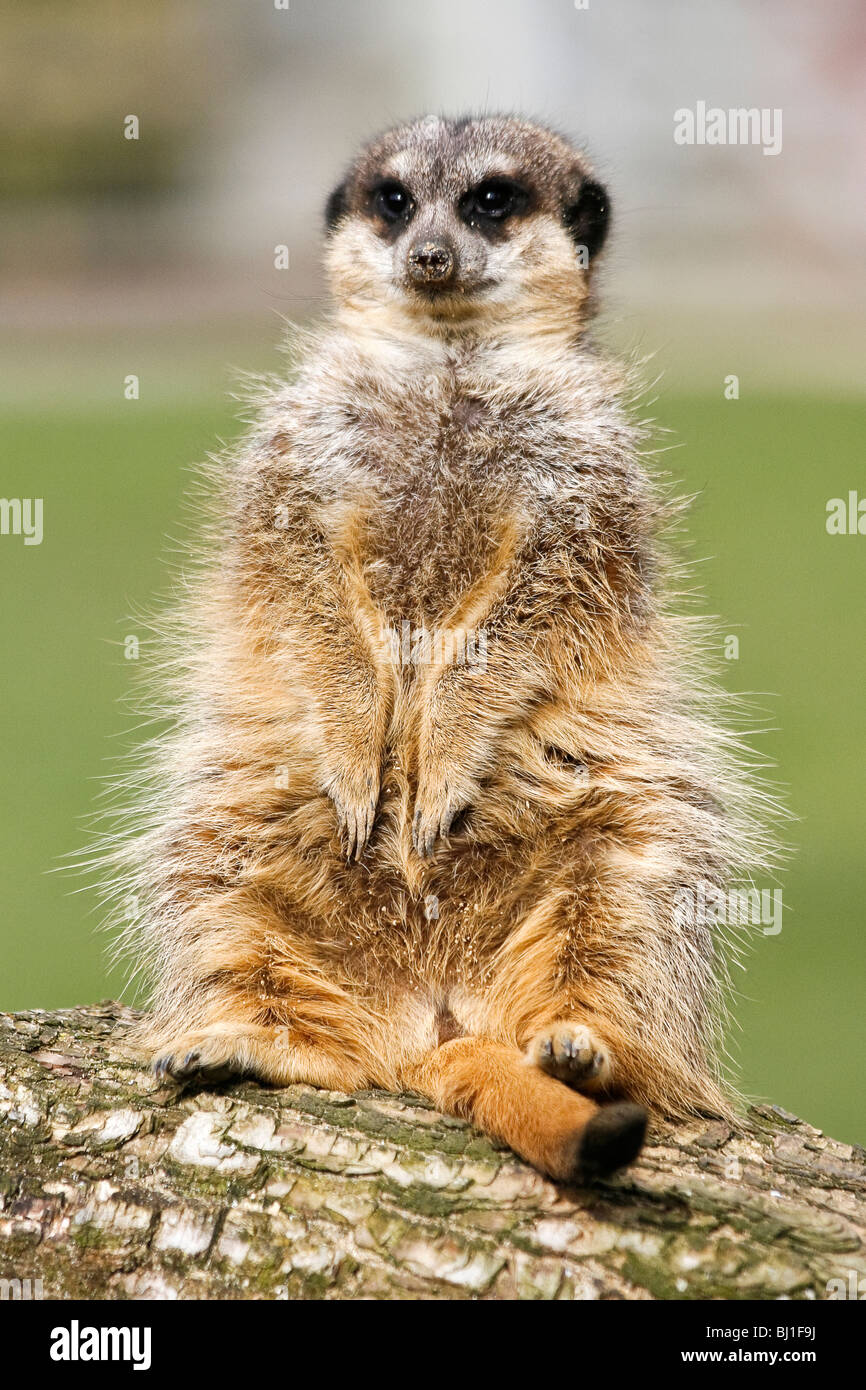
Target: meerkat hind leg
[
  {"x": 278, "y": 1019},
  {"x": 564, "y": 1134}
]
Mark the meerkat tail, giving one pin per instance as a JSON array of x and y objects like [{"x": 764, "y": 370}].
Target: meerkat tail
[{"x": 563, "y": 1133}]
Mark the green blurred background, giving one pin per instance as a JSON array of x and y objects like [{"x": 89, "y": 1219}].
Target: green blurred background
[{"x": 163, "y": 266}]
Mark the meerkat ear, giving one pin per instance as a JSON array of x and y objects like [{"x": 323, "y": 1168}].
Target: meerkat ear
[
  {"x": 335, "y": 207},
  {"x": 588, "y": 217}
]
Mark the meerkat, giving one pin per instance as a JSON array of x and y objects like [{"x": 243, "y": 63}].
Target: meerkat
[{"x": 450, "y": 862}]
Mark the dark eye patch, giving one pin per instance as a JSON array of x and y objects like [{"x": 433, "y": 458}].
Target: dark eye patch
[
  {"x": 490, "y": 204},
  {"x": 392, "y": 201},
  {"x": 588, "y": 218},
  {"x": 335, "y": 208}
]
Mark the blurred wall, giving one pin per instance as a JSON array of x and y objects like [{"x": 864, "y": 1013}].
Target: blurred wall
[{"x": 248, "y": 112}]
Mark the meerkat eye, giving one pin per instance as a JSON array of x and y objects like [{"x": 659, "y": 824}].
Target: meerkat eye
[
  {"x": 392, "y": 201},
  {"x": 493, "y": 201}
]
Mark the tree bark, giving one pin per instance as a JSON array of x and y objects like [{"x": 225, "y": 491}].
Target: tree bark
[{"x": 113, "y": 1185}]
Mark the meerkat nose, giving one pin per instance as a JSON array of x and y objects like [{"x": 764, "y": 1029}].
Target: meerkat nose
[{"x": 431, "y": 262}]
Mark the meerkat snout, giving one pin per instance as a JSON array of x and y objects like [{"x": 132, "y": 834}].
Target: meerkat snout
[{"x": 431, "y": 263}]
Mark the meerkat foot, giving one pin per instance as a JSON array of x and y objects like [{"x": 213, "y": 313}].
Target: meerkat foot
[
  {"x": 267, "y": 1054},
  {"x": 193, "y": 1066},
  {"x": 221, "y": 1054},
  {"x": 570, "y": 1052},
  {"x": 211, "y": 1058}
]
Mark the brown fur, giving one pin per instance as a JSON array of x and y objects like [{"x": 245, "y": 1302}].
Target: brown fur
[{"x": 463, "y": 462}]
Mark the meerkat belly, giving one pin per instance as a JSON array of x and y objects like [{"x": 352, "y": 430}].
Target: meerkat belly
[
  {"x": 444, "y": 477},
  {"x": 428, "y": 547}
]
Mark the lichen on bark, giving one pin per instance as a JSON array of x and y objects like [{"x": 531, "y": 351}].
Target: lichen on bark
[{"x": 113, "y": 1185}]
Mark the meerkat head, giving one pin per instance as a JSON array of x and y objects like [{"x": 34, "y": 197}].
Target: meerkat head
[{"x": 448, "y": 225}]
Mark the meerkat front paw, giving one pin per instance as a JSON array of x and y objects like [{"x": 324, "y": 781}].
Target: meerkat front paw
[
  {"x": 436, "y": 809},
  {"x": 355, "y": 797},
  {"x": 570, "y": 1052}
]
